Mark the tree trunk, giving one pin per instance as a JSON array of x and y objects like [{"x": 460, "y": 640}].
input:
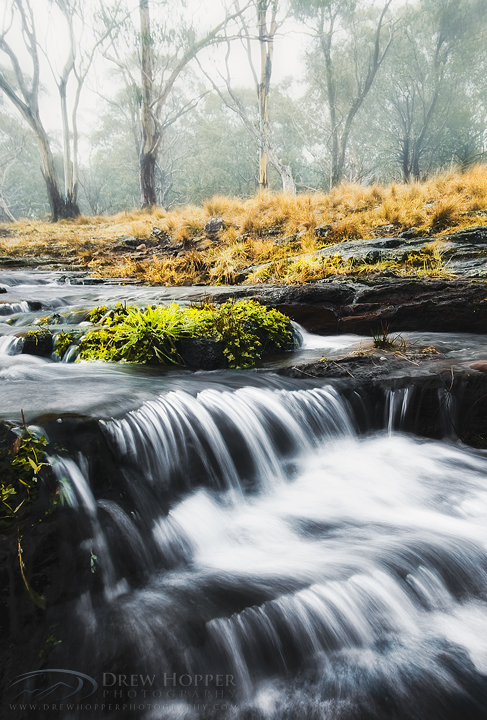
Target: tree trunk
[
  {"x": 285, "y": 173},
  {"x": 71, "y": 208},
  {"x": 150, "y": 133},
  {"x": 265, "y": 77},
  {"x": 60, "y": 207},
  {"x": 148, "y": 179}
]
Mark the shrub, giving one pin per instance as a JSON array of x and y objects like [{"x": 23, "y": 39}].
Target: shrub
[{"x": 246, "y": 329}]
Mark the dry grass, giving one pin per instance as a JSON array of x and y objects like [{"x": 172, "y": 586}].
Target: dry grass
[{"x": 266, "y": 228}]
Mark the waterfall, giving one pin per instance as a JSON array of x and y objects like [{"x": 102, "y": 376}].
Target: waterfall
[{"x": 260, "y": 558}]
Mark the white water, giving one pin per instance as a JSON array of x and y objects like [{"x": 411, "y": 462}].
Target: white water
[
  {"x": 350, "y": 567},
  {"x": 242, "y": 527}
]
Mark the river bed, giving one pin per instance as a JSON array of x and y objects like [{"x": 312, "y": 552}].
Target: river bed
[{"x": 238, "y": 545}]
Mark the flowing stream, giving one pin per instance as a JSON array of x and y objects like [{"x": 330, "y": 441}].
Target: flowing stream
[{"x": 239, "y": 548}]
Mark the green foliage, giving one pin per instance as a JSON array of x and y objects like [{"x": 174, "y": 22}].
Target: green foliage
[
  {"x": 23, "y": 461},
  {"x": 62, "y": 342},
  {"x": 98, "y": 313},
  {"x": 247, "y": 328},
  {"x": 150, "y": 335}
]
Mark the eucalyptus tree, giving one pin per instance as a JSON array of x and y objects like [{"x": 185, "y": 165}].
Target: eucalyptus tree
[
  {"x": 22, "y": 87},
  {"x": 26, "y": 53},
  {"x": 83, "y": 43},
  {"x": 152, "y": 54},
  {"x": 350, "y": 40},
  {"x": 257, "y": 34},
  {"x": 428, "y": 94}
]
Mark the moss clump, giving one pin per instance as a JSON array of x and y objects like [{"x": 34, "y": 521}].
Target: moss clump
[
  {"x": 246, "y": 329},
  {"x": 63, "y": 340},
  {"x": 23, "y": 463}
]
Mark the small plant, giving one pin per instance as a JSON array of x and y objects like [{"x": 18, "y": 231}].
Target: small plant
[
  {"x": 25, "y": 471},
  {"x": 247, "y": 329},
  {"x": 23, "y": 462},
  {"x": 383, "y": 340}
]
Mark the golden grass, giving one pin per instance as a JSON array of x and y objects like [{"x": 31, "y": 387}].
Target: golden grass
[{"x": 265, "y": 228}]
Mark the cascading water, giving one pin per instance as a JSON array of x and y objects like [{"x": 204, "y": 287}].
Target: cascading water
[
  {"x": 237, "y": 547},
  {"x": 265, "y": 561}
]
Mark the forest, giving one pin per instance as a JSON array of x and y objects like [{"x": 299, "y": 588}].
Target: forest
[{"x": 110, "y": 105}]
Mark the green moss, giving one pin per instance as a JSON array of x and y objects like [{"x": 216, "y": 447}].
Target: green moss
[
  {"x": 39, "y": 335},
  {"x": 246, "y": 329},
  {"x": 23, "y": 463},
  {"x": 62, "y": 341}
]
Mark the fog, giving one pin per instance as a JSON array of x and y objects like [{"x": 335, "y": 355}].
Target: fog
[{"x": 108, "y": 105}]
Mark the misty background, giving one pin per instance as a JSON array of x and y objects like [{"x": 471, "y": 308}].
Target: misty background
[{"x": 107, "y": 105}]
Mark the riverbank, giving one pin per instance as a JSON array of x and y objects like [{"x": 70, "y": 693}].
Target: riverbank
[{"x": 436, "y": 229}]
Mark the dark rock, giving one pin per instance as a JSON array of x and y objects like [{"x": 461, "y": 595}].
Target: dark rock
[
  {"x": 39, "y": 343},
  {"x": 322, "y": 230},
  {"x": 202, "y": 353},
  {"x": 213, "y": 226},
  {"x": 403, "y": 304},
  {"x": 3, "y": 289},
  {"x": 160, "y": 235},
  {"x": 125, "y": 242},
  {"x": 360, "y": 367},
  {"x": 409, "y": 233}
]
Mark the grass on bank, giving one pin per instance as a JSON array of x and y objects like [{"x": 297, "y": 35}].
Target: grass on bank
[{"x": 267, "y": 228}]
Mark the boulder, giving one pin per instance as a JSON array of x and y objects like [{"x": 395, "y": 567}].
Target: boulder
[
  {"x": 213, "y": 227},
  {"x": 332, "y": 307},
  {"x": 202, "y": 353},
  {"x": 39, "y": 343}
]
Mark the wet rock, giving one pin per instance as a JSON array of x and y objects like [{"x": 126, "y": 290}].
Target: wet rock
[
  {"x": 481, "y": 366},
  {"x": 363, "y": 367},
  {"x": 334, "y": 307},
  {"x": 39, "y": 343},
  {"x": 3, "y": 290},
  {"x": 202, "y": 353},
  {"x": 213, "y": 226}
]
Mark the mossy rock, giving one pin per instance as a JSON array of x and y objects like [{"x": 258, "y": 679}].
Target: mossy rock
[
  {"x": 234, "y": 334},
  {"x": 39, "y": 343}
]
